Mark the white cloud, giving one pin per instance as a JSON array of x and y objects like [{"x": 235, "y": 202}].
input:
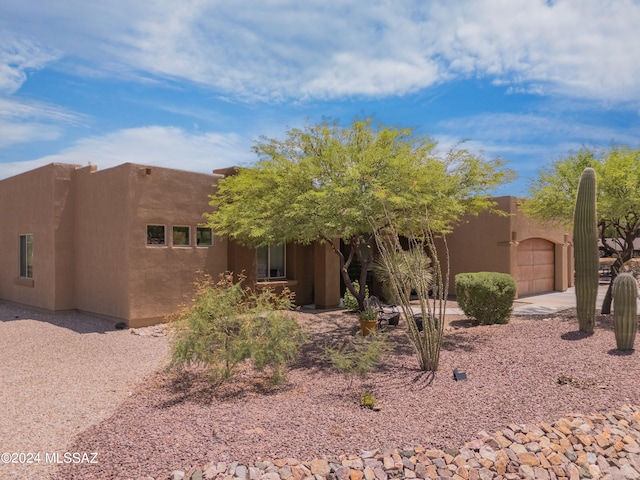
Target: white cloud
[
  {"x": 154, "y": 145},
  {"x": 17, "y": 56},
  {"x": 28, "y": 121},
  {"x": 273, "y": 50}
]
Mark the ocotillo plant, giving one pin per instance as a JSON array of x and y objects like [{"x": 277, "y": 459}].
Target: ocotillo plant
[
  {"x": 625, "y": 310},
  {"x": 585, "y": 241}
]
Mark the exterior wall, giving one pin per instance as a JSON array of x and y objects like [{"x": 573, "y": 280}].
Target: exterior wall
[
  {"x": 38, "y": 203},
  {"x": 90, "y": 243},
  {"x": 102, "y": 217},
  {"x": 489, "y": 242},
  {"x": 161, "y": 277}
]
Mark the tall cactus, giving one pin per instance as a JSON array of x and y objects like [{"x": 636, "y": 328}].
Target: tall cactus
[
  {"x": 585, "y": 240},
  {"x": 625, "y": 310}
]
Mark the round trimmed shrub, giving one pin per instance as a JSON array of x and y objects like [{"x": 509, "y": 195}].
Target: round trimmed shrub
[{"x": 486, "y": 296}]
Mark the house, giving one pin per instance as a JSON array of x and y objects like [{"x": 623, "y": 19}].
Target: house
[
  {"x": 537, "y": 255},
  {"x": 126, "y": 242}
]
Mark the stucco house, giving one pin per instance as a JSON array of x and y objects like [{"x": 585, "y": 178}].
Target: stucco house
[
  {"x": 126, "y": 243},
  {"x": 537, "y": 255}
]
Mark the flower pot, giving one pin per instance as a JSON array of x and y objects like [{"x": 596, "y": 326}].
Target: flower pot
[{"x": 368, "y": 326}]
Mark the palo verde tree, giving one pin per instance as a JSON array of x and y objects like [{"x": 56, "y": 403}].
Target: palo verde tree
[
  {"x": 552, "y": 198},
  {"x": 326, "y": 182}
]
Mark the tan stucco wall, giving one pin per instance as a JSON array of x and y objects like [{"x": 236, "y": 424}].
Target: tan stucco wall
[
  {"x": 90, "y": 250},
  {"x": 162, "y": 277},
  {"x": 489, "y": 242},
  {"x": 38, "y": 203},
  {"x": 117, "y": 274}
]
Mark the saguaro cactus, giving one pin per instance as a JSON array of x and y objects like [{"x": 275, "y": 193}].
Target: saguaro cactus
[
  {"x": 585, "y": 241},
  {"x": 625, "y": 310}
]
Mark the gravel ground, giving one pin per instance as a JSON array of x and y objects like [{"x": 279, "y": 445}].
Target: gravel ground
[
  {"x": 512, "y": 370},
  {"x": 60, "y": 374}
]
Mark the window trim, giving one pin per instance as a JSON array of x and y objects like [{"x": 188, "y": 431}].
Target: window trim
[
  {"x": 155, "y": 245},
  {"x": 181, "y": 245},
  {"x": 25, "y": 268},
  {"x": 269, "y": 278},
  {"x": 206, "y": 245}
]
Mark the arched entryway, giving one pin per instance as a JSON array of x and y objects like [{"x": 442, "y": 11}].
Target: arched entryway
[{"x": 536, "y": 266}]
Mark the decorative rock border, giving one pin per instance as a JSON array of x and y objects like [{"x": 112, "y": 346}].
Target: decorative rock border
[{"x": 599, "y": 446}]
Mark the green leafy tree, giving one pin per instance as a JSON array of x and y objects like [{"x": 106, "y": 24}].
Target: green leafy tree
[
  {"x": 326, "y": 181},
  {"x": 552, "y": 198}
]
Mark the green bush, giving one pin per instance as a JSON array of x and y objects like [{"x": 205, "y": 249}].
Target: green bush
[
  {"x": 359, "y": 355},
  {"x": 350, "y": 302},
  {"x": 228, "y": 324},
  {"x": 486, "y": 296}
]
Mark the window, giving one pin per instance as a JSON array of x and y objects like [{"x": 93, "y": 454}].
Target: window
[
  {"x": 26, "y": 256},
  {"x": 181, "y": 236},
  {"x": 155, "y": 235},
  {"x": 204, "y": 237},
  {"x": 271, "y": 262}
]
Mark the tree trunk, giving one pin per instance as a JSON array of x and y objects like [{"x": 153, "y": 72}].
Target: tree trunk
[{"x": 354, "y": 250}]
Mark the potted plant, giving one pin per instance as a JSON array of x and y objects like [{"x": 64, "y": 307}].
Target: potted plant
[{"x": 368, "y": 320}]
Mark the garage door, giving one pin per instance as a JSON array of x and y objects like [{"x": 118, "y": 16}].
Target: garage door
[{"x": 536, "y": 266}]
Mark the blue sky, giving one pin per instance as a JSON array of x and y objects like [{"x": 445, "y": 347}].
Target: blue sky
[{"x": 191, "y": 84}]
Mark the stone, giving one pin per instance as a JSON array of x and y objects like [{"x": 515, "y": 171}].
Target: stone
[
  {"x": 342, "y": 473},
  {"x": 525, "y": 471},
  {"x": 241, "y": 472},
  {"x": 486, "y": 474},
  {"x": 528, "y": 459},
  {"x": 284, "y": 472},
  {"x": 356, "y": 474},
  {"x": 270, "y": 476},
  {"x": 629, "y": 472},
  {"x": 380, "y": 473},
  {"x": 518, "y": 448},
  {"x": 487, "y": 453},
  {"x": 541, "y": 473},
  {"x": 319, "y": 467},
  {"x": 369, "y": 474},
  {"x": 254, "y": 473},
  {"x": 176, "y": 475},
  {"x": 533, "y": 447}
]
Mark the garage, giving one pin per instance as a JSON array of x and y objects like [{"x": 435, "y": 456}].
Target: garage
[{"x": 536, "y": 266}]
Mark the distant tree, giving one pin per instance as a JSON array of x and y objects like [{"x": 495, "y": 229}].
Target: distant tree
[
  {"x": 326, "y": 181},
  {"x": 552, "y": 197}
]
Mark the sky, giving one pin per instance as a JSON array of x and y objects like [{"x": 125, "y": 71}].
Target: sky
[{"x": 193, "y": 84}]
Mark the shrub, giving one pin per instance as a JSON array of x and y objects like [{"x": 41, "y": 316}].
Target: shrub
[
  {"x": 486, "y": 296},
  {"x": 228, "y": 324},
  {"x": 359, "y": 355},
  {"x": 350, "y": 302}
]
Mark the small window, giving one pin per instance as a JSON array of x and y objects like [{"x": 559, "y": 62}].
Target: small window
[
  {"x": 181, "y": 236},
  {"x": 155, "y": 235},
  {"x": 271, "y": 262},
  {"x": 204, "y": 237},
  {"x": 26, "y": 256}
]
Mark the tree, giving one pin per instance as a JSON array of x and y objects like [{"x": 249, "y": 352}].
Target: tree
[
  {"x": 552, "y": 197},
  {"x": 326, "y": 181}
]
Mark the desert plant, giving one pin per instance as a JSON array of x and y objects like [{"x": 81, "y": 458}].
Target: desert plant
[
  {"x": 228, "y": 324},
  {"x": 358, "y": 355},
  {"x": 350, "y": 302},
  {"x": 367, "y": 400},
  {"x": 407, "y": 264},
  {"x": 426, "y": 336},
  {"x": 486, "y": 296},
  {"x": 586, "y": 256},
  {"x": 625, "y": 310}
]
